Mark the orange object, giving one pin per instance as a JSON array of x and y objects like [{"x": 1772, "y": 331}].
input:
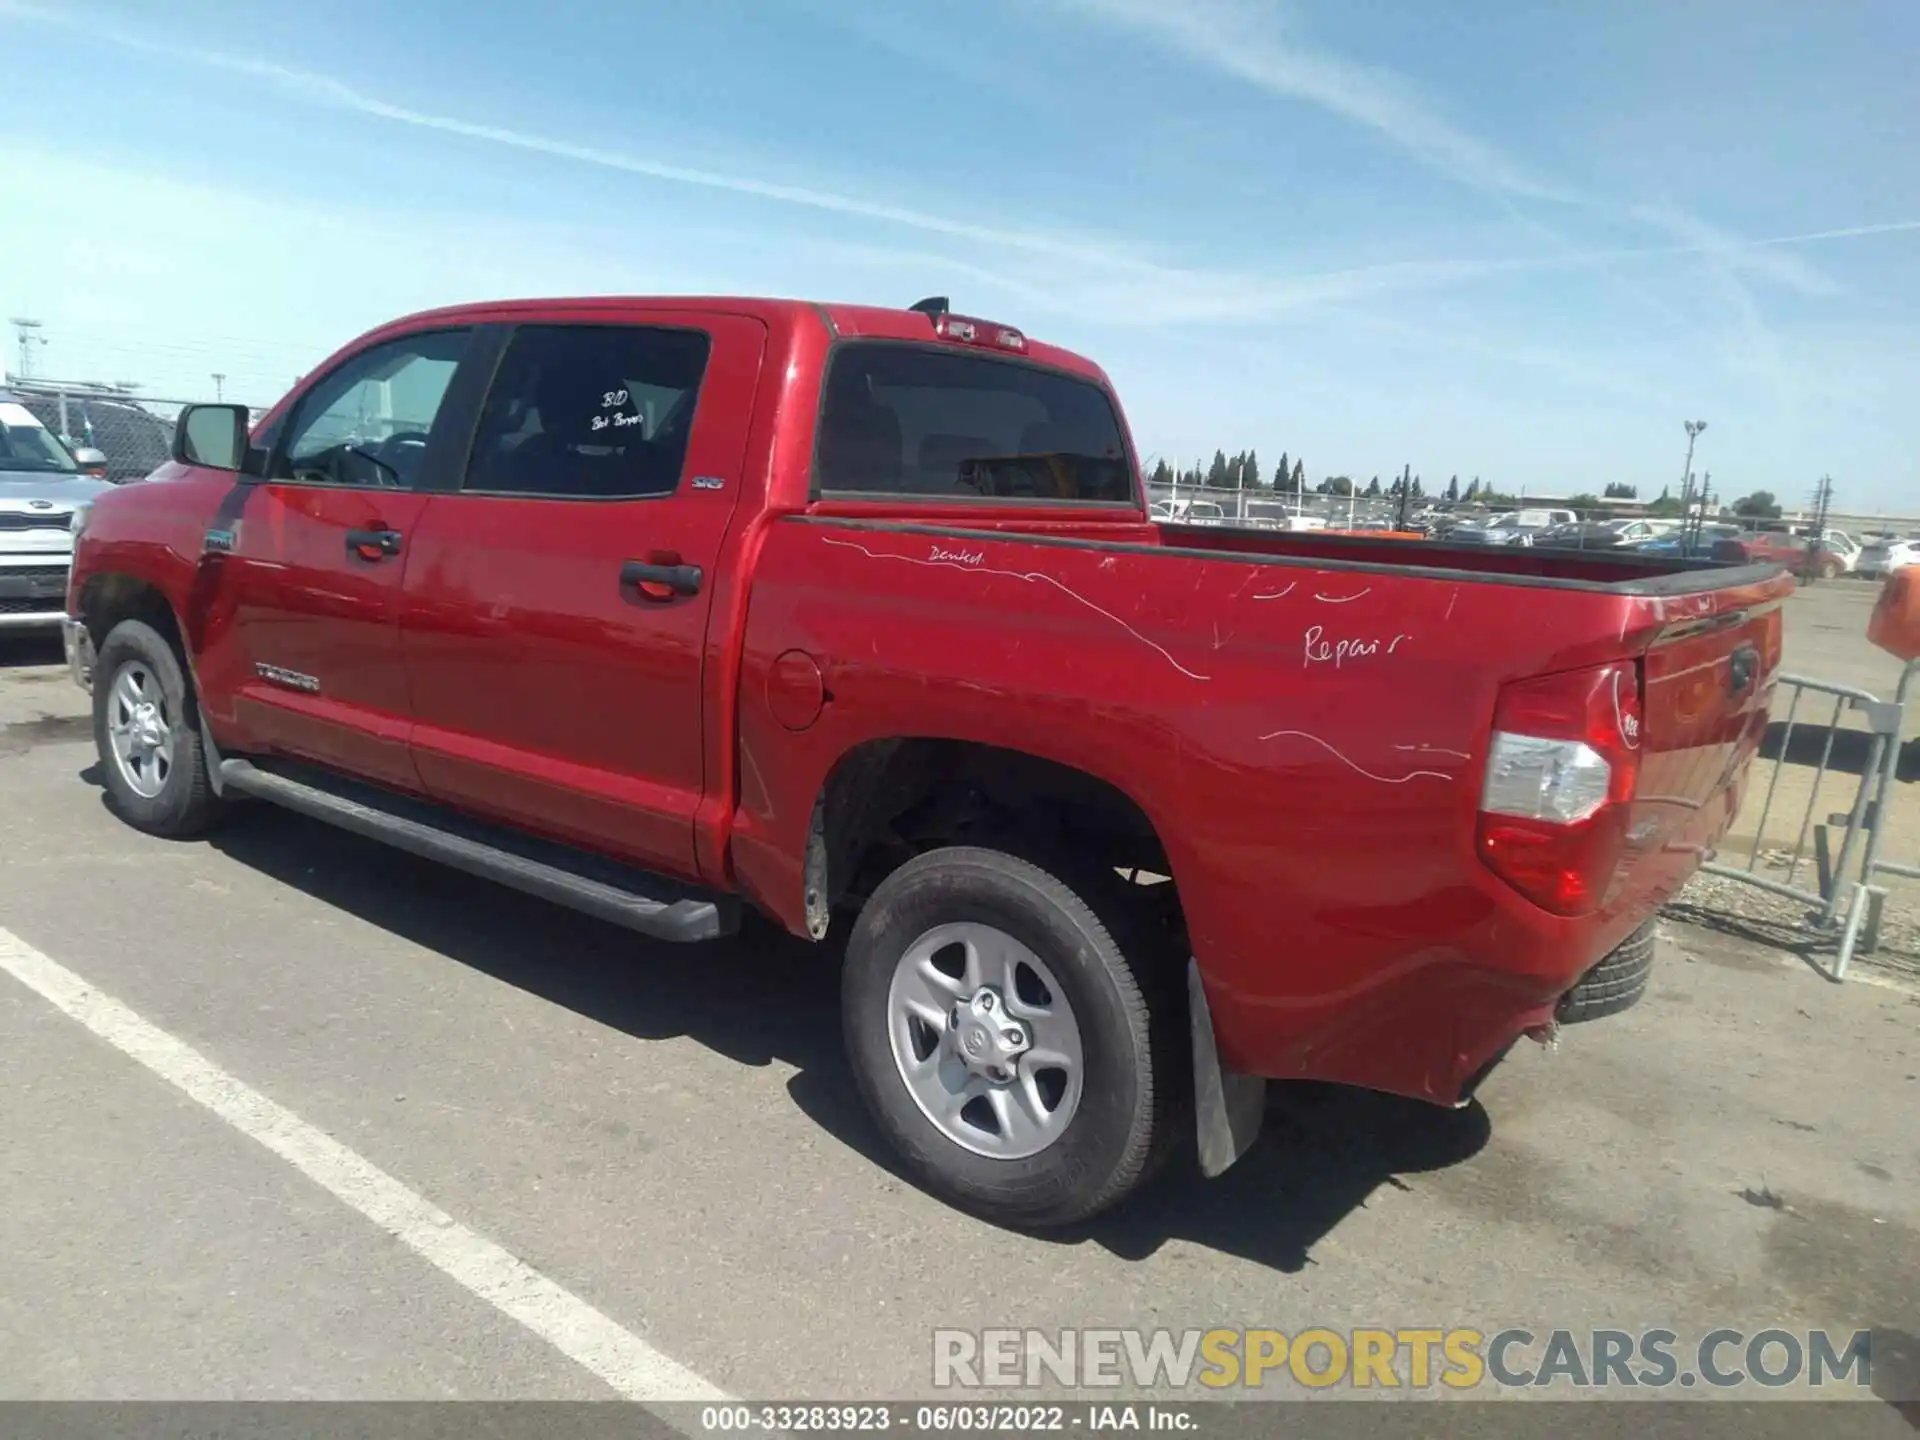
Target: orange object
[{"x": 1895, "y": 626}]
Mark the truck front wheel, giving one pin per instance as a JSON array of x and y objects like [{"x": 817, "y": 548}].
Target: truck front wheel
[
  {"x": 1014, "y": 1035},
  {"x": 147, "y": 731}
]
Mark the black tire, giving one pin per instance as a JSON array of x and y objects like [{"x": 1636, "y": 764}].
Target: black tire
[
  {"x": 1103, "y": 950},
  {"x": 185, "y": 804},
  {"x": 1613, "y": 985}
]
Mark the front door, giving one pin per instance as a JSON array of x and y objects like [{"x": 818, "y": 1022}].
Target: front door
[
  {"x": 312, "y": 557},
  {"x": 555, "y": 620}
]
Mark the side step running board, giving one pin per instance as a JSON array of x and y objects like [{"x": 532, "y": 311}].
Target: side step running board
[{"x": 686, "y": 918}]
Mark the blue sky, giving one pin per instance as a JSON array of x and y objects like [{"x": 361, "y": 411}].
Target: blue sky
[{"x": 1519, "y": 239}]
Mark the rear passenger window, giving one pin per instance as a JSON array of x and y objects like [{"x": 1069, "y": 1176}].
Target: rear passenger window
[
  {"x": 909, "y": 420},
  {"x": 589, "y": 412}
]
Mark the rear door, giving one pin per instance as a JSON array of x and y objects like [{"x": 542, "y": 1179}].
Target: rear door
[
  {"x": 309, "y": 561},
  {"x": 557, "y": 600}
]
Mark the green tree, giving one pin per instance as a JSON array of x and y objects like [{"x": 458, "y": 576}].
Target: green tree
[
  {"x": 1335, "y": 485},
  {"x": 1583, "y": 502},
  {"x": 1373, "y": 486},
  {"x": 1618, "y": 490},
  {"x": 1300, "y": 477},
  {"x": 1217, "y": 472},
  {"x": 1453, "y": 489},
  {"x": 1760, "y": 505},
  {"x": 1416, "y": 493},
  {"x": 1250, "y": 471},
  {"x": 1282, "y": 481},
  {"x": 1162, "y": 474}
]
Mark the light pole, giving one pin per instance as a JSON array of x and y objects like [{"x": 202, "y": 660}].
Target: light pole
[
  {"x": 219, "y": 383},
  {"x": 30, "y": 336},
  {"x": 1694, "y": 427}
]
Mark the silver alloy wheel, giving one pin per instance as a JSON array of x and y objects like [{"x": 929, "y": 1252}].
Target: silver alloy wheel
[
  {"x": 139, "y": 730},
  {"x": 985, "y": 1040}
]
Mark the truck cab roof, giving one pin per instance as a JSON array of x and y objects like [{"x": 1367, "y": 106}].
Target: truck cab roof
[{"x": 842, "y": 321}]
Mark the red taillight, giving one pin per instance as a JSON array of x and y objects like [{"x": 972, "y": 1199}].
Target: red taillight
[
  {"x": 979, "y": 332},
  {"x": 1560, "y": 780}
]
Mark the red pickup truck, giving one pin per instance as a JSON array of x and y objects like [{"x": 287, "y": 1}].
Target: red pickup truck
[{"x": 856, "y": 617}]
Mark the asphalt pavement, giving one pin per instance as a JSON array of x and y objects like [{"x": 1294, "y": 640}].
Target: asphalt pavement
[{"x": 291, "y": 1115}]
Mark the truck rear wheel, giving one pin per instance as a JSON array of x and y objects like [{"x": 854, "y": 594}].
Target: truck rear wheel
[
  {"x": 147, "y": 731},
  {"x": 1615, "y": 983},
  {"x": 1024, "y": 1064}
]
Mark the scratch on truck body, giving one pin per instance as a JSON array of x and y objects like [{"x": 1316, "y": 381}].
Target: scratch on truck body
[
  {"x": 1355, "y": 766},
  {"x": 1030, "y": 577}
]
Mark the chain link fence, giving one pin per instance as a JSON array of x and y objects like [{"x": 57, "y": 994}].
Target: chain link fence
[{"x": 133, "y": 430}]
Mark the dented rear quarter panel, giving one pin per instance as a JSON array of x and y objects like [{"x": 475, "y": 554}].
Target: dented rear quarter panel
[{"x": 1307, "y": 738}]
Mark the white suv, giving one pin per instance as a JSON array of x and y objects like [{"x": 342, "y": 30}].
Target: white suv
[
  {"x": 1881, "y": 558},
  {"x": 41, "y": 486}
]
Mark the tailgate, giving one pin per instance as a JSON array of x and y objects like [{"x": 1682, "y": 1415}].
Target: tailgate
[{"x": 1706, "y": 682}]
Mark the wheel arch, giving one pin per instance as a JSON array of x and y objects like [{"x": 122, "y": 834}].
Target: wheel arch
[
  {"x": 885, "y": 800},
  {"x": 114, "y": 596}
]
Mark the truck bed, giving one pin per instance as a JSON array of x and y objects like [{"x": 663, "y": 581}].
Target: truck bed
[
  {"x": 1305, "y": 719},
  {"x": 1624, "y": 572}
]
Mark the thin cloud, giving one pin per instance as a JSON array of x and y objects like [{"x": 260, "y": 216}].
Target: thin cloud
[
  {"x": 1237, "y": 40},
  {"x": 1234, "y": 39},
  {"x": 332, "y": 93},
  {"x": 1094, "y": 275}
]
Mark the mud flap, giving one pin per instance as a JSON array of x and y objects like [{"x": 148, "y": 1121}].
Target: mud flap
[{"x": 1227, "y": 1105}]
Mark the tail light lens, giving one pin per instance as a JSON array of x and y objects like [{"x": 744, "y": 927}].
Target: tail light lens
[{"x": 1560, "y": 781}]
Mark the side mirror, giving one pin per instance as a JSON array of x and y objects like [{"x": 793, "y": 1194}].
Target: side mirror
[
  {"x": 91, "y": 462},
  {"x": 211, "y": 435}
]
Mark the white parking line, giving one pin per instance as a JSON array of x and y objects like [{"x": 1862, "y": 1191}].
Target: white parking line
[{"x": 626, "y": 1362}]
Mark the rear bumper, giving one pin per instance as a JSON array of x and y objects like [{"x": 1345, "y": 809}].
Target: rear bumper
[
  {"x": 1430, "y": 1034},
  {"x": 31, "y": 620},
  {"x": 79, "y": 647}
]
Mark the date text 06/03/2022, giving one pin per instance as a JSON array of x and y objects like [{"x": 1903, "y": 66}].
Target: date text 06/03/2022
[{"x": 945, "y": 1419}]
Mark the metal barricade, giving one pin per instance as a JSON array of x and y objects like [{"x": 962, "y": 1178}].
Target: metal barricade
[
  {"x": 1870, "y": 900},
  {"x": 1830, "y": 884}
]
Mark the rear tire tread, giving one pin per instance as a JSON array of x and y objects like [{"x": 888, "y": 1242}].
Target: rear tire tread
[
  {"x": 1614, "y": 984},
  {"x": 1117, "y": 936}
]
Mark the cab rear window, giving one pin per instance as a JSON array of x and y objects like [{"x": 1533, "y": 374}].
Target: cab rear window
[{"x": 914, "y": 421}]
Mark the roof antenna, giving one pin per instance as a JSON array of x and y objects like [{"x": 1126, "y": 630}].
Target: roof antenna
[{"x": 934, "y": 306}]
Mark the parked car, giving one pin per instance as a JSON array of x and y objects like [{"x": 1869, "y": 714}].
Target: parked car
[
  {"x": 1581, "y": 536},
  {"x": 1782, "y": 548},
  {"x": 129, "y": 440},
  {"x": 1525, "y": 527},
  {"x": 1840, "y": 544},
  {"x": 1634, "y": 532},
  {"x": 1118, "y": 819},
  {"x": 41, "y": 486},
  {"x": 1698, "y": 544},
  {"x": 1880, "y": 558}
]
